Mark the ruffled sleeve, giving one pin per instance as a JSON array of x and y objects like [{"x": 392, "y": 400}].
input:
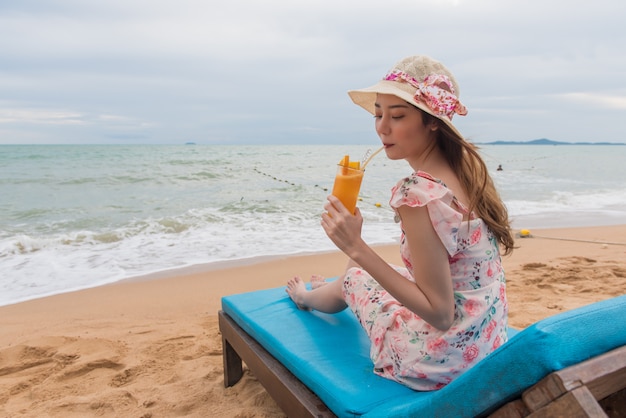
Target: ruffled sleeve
[{"x": 421, "y": 189}]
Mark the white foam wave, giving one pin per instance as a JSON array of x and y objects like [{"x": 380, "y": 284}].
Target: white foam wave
[
  {"x": 567, "y": 201},
  {"x": 140, "y": 210}
]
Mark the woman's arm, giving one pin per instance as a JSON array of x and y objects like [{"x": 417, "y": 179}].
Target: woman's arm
[{"x": 431, "y": 296}]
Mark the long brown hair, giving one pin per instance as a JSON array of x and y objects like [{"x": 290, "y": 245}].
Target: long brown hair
[{"x": 467, "y": 163}]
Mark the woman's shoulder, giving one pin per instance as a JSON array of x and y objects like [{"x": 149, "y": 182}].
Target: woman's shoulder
[
  {"x": 422, "y": 179},
  {"x": 419, "y": 189}
]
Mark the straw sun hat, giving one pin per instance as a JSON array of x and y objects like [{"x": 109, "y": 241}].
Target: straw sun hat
[{"x": 421, "y": 81}]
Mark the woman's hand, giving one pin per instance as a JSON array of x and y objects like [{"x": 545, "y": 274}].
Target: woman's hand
[{"x": 342, "y": 227}]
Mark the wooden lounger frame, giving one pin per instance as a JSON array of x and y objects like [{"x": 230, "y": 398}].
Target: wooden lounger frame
[
  {"x": 291, "y": 395},
  {"x": 593, "y": 388}
]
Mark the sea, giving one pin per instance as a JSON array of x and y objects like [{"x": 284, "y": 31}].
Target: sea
[{"x": 80, "y": 216}]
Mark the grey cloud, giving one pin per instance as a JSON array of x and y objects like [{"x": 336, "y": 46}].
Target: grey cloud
[{"x": 278, "y": 71}]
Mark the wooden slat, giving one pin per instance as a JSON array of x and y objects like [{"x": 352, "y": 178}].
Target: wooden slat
[
  {"x": 545, "y": 391},
  {"x": 577, "y": 403},
  {"x": 592, "y": 388},
  {"x": 602, "y": 375}
]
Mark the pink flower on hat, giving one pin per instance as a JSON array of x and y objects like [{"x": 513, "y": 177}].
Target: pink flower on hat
[{"x": 436, "y": 92}]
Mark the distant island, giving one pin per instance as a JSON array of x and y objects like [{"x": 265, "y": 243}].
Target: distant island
[{"x": 544, "y": 141}]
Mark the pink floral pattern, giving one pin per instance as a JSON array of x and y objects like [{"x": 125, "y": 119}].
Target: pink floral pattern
[
  {"x": 403, "y": 346},
  {"x": 435, "y": 91}
]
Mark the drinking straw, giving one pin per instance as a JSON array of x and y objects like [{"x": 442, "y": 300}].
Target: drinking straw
[{"x": 368, "y": 159}]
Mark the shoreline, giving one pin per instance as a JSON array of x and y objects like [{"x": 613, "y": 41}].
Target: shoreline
[
  {"x": 541, "y": 233},
  {"x": 150, "y": 345},
  {"x": 186, "y": 271},
  {"x": 260, "y": 259}
]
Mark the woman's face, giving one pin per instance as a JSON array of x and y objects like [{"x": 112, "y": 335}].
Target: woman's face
[{"x": 401, "y": 128}]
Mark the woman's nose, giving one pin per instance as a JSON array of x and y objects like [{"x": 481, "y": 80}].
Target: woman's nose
[{"x": 382, "y": 126}]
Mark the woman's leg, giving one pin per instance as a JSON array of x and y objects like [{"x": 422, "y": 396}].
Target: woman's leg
[{"x": 326, "y": 298}]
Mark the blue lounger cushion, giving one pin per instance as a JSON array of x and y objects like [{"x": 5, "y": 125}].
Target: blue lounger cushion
[{"x": 330, "y": 355}]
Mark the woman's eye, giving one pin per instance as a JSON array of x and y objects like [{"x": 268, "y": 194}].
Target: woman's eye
[{"x": 392, "y": 117}]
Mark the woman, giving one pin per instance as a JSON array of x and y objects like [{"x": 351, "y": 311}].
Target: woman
[{"x": 446, "y": 309}]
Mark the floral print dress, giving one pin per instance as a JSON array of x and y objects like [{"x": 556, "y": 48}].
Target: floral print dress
[{"x": 404, "y": 347}]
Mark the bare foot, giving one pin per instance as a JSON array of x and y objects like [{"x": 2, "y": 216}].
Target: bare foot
[
  {"x": 317, "y": 281},
  {"x": 296, "y": 290}
]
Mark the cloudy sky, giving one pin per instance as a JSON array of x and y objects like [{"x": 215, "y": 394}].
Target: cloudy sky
[{"x": 277, "y": 71}]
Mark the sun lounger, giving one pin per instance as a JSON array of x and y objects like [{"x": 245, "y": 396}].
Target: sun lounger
[{"x": 318, "y": 365}]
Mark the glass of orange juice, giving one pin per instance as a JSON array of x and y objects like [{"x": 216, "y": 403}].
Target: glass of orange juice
[{"x": 348, "y": 183}]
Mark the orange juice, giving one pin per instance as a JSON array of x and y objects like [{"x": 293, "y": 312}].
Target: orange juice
[{"x": 348, "y": 183}]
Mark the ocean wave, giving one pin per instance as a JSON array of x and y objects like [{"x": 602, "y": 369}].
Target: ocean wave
[
  {"x": 566, "y": 201},
  {"x": 80, "y": 216}
]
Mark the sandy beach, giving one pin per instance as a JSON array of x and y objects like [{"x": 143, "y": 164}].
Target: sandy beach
[{"x": 150, "y": 347}]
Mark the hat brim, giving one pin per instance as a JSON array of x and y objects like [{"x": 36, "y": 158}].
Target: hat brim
[{"x": 366, "y": 98}]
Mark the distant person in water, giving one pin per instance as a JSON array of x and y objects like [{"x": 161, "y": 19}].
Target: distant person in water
[
  {"x": 445, "y": 310},
  {"x": 500, "y": 167}
]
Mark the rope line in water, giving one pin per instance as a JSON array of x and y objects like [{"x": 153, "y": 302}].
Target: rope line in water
[
  {"x": 377, "y": 204},
  {"x": 282, "y": 180}
]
